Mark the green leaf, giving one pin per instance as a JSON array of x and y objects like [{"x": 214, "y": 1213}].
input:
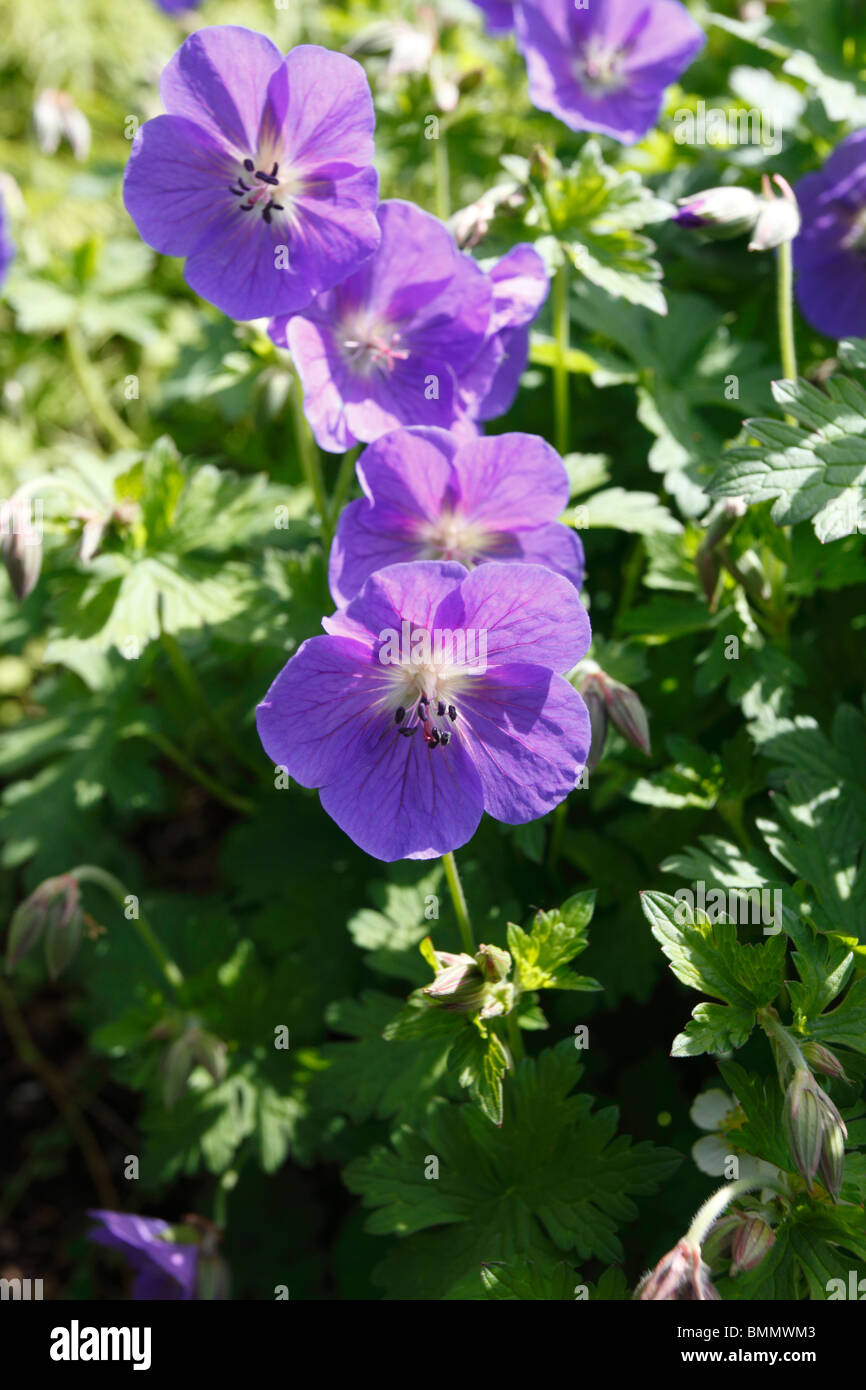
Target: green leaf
[
  {"x": 481, "y": 1062},
  {"x": 814, "y": 469},
  {"x": 522, "y": 1279},
  {"x": 554, "y": 940},
  {"x": 555, "y": 1177},
  {"x": 707, "y": 955},
  {"x": 597, "y": 212},
  {"x": 715, "y": 1028},
  {"x": 640, "y": 513},
  {"x": 846, "y": 1024}
]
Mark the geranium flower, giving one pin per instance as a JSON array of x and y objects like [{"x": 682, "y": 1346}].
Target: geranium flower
[
  {"x": 605, "y": 67},
  {"x": 428, "y": 495},
  {"x": 435, "y": 696},
  {"x": 261, "y": 173},
  {"x": 389, "y": 346},
  {"x": 164, "y": 1270},
  {"x": 520, "y": 284},
  {"x": 499, "y": 15},
  {"x": 830, "y": 252}
]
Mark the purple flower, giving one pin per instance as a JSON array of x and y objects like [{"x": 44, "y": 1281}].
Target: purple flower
[
  {"x": 7, "y": 249},
  {"x": 604, "y": 66},
  {"x": 499, "y": 15},
  {"x": 431, "y": 496},
  {"x": 260, "y": 174},
  {"x": 830, "y": 252},
  {"x": 520, "y": 284},
  {"x": 163, "y": 1269},
  {"x": 390, "y": 345},
  {"x": 435, "y": 697}
]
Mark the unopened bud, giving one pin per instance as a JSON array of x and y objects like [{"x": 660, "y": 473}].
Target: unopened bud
[
  {"x": 629, "y": 715},
  {"x": 53, "y": 910},
  {"x": 720, "y": 213},
  {"x": 459, "y": 985},
  {"x": 831, "y": 1166},
  {"x": 194, "y": 1047},
  {"x": 493, "y": 962},
  {"x": 779, "y": 219},
  {"x": 753, "y": 1240},
  {"x": 822, "y": 1060},
  {"x": 812, "y": 1123},
  {"x": 21, "y": 546},
  {"x": 679, "y": 1276},
  {"x": 595, "y": 703}
]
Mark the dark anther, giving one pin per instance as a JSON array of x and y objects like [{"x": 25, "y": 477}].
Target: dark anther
[
  {"x": 433, "y": 738},
  {"x": 240, "y": 190},
  {"x": 452, "y": 713},
  {"x": 278, "y": 207},
  {"x": 424, "y": 700},
  {"x": 440, "y": 708},
  {"x": 399, "y": 715},
  {"x": 266, "y": 211},
  {"x": 408, "y": 732},
  {"x": 247, "y": 207},
  {"x": 268, "y": 178},
  {"x": 249, "y": 165},
  {"x": 445, "y": 738}
]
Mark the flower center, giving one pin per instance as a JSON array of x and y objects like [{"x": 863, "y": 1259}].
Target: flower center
[
  {"x": 370, "y": 347},
  {"x": 598, "y": 68},
  {"x": 454, "y": 537},
  {"x": 433, "y": 715},
  {"x": 262, "y": 188}
]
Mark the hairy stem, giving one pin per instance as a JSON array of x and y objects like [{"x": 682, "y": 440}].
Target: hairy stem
[
  {"x": 458, "y": 898},
  {"x": 91, "y": 873},
  {"x": 93, "y": 392}
]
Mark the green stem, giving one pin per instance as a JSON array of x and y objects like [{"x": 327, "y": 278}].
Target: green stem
[
  {"x": 719, "y": 1201},
  {"x": 515, "y": 1041},
  {"x": 561, "y": 333},
  {"x": 188, "y": 680},
  {"x": 216, "y": 789},
  {"x": 343, "y": 484},
  {"x": 308, "y": 453},
  {"x": 442, "y": 175},
  {"x": 459, "y": 900},
  {"x": 778, "y": 1033},
  {"x": 785, "y": 308},
  {"x": 93, "y": 392},
  {"x": 91, "y": 873},
  {"x": 225, "y": 1186}
]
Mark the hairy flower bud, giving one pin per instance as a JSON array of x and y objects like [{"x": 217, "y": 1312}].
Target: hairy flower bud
[
  {"x": 753, "y": 1240},
  {"x": 720, "y": 213},
  {"x": 815, "y": 1130},
  {"x": 607, "y": 699},
  {"x": 779, "y": 218},
  {"x": 193, "y": 1048},
  {"x": 822, "y": 1060},
  {"x": 53, "y": 910},
  {"x": 473, "y": 984},
  {"x": 679, "y": 1276},
  {"x": 20, "y": 546}
]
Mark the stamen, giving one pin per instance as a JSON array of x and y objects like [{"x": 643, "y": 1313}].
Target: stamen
[
  {"x": 445, "y": 738},
  {"x": 408, "y": 732},
  {"x": 249, "y": 165},
  {"x": 440, "y": 708},
  {"x": 452, "y": 714},
  {"x": 399, "y": 715}
]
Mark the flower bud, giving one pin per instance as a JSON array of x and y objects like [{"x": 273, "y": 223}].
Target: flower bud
[
  {"x": 193, "y": 1048},
  {"x": 595, "y": 703},
  {"x": 779, "y": 219},
  {"x": 493, "y": 962},
  {"x": 831, "y": 1165},
  {"x": 459, "y": 986},
  {"x": 753, "y": 1240},
  {"x": 629, "y": 715},
  {"x": 53, "y": 909},
  {"x": 822, "y": 1060},
  {"x": 679, "y": 1276},
  {"x": 720, "y": 213},
  {"x": 815, "y": 1130},
  {"x": 21, "y": 546}
]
